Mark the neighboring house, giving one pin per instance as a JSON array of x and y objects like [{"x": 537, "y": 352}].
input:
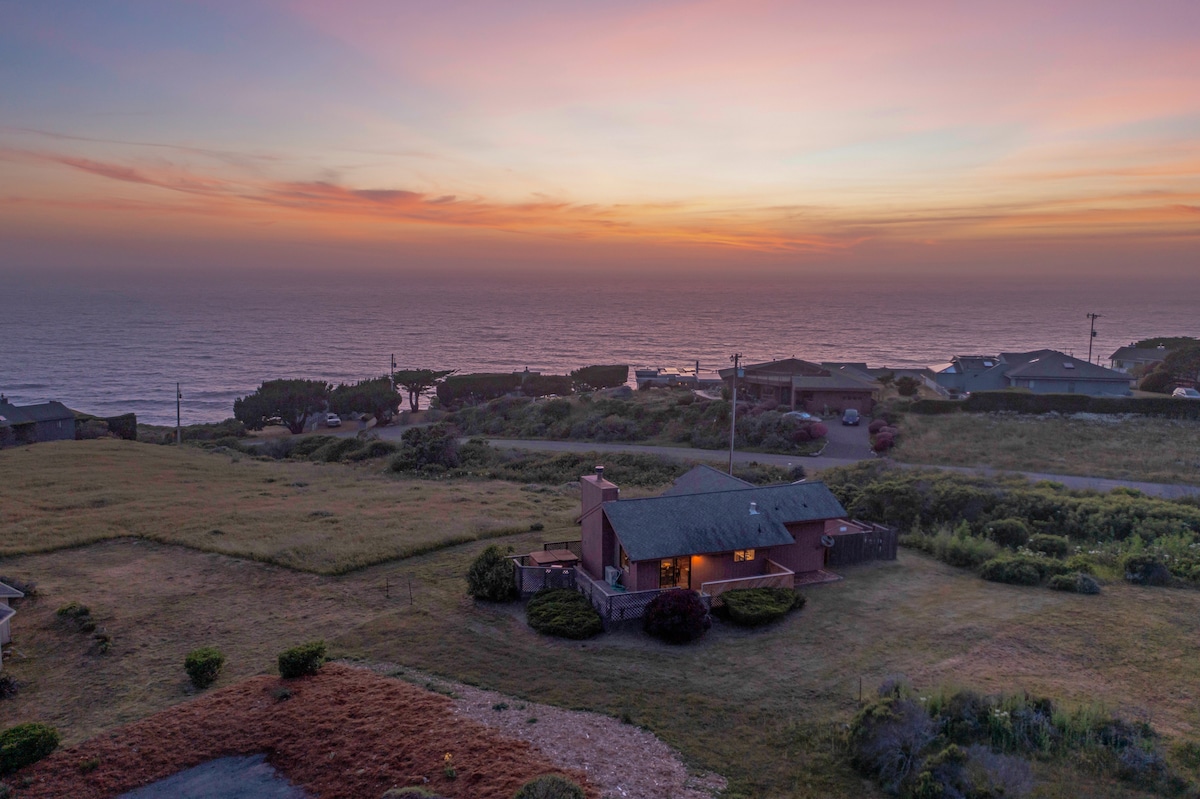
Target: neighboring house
[
  {"x": 49, "y": 421},
  {"x": 7, "y": 593},
  {"x": 1040, "y": 371},
  {"x": 802, "y": 385},
  {"x": 709, "y": 532},
  {"x": 1139, "y": 359}
]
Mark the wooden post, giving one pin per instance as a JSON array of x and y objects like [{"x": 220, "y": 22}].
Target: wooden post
[
  {"x": 387, "y": 586},
  {"x": 410, "y": 598}
]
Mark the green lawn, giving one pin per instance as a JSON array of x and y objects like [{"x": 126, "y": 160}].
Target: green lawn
[
  {"x": 1140, "y": 448},
  {"x": 763, "y": 707},
  {"x": 326, "y": 518}
]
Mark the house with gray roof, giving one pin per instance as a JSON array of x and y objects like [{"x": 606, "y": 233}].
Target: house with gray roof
[
  {"x": 1131, "y": 358},
  {"x": 47, "y": 421},
  {"x": 807, "y": 386},
  {"x": 1040, "y": 371},
  {"x": 706, "y": 533}
]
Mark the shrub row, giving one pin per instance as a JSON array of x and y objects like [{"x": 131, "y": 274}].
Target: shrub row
[
  {"x": 1025, "y": 402},
  {"x": 751, "y": 607}
]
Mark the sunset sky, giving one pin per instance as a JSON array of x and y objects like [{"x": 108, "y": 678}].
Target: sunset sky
[{"x": 868, "y": 136}]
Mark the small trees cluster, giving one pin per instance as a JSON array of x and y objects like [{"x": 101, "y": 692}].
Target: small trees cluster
[{"x": 286, "y": 402}]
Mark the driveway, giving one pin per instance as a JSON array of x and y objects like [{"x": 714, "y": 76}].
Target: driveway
[{"x": 847, "y": 442}]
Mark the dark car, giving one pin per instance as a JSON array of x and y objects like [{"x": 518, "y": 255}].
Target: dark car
[{"x": 851, "y": 417}]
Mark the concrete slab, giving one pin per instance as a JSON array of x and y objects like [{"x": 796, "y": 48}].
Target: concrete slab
[{"x": 245, "y": 777}]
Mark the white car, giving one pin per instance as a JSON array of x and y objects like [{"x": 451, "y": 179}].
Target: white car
[
  {"x": 1186, "y": 393},
  {"x": 333, "y": 420}
]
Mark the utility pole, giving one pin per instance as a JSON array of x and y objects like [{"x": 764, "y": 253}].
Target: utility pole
[
  {"x": 178, "y": 427},
  {"x": 737, "y": 372},
  {"x": 1093, "y": 317},
  {"x": 392, "y": 372}
]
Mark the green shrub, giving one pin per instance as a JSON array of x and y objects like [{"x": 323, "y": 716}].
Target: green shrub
[
  {"x": 73, "y": 610},
  {"x": 1010, "y": 533},
  {"x": 491, "y": 576},
  {"x": 676, "y": 616},
  {"x": 203, "y": 666},
  {"x": 750, "y": 607},
  {"x": 965, "y": 553},
  {"x": 25, "y": 744},
  {"x": 1146, "y": 570},
  {"x": 302, "y": 661},
  {"x": 1078, "y": 583},
  {"x": 564, "y": 613},
  {"x": 1080, "y": 563},
  {"x": 549, "y": 786},
  {"x": 1056, "y": 546},
  {"x": 1014, "y": 571}
]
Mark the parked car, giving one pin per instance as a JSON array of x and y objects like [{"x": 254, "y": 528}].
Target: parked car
[
  {"x": 1186, "y": 393},
  {"x": 803, "y": 416},
  {"x": 333, "y": 420},
  {"x": 851, "y": 417}
]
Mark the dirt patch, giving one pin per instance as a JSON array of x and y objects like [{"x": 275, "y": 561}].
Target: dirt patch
[
  {"x": 620, "y": 759},
  {"x": 344, "y": 734}
]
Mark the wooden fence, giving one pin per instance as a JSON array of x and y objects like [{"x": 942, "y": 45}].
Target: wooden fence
[
  {"x": 876, "y": 543},
  {"x": 531, "y": 579}
]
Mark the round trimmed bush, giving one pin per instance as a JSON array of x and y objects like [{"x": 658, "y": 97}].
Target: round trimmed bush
[
  {"x": 26, "y": 744},
  {"x": 203, "y": 666},
  {"x": 302, "y": 661},
  {"x": 1010, "y": 533},
  {"x": 817, "y": 430},
  {"x": 491, "y": 577},
  {"x": 883, "y": 443},
  {"x": 1078, "y": 583},
  {"x": 876, "y": 425},
  {"x": 550, "y": 786},
  {"x": 564, "y": 613},
  {"x": 1146, "y": 570},
  {"x": 676, "y": 616},
  {"x": 1056, "y": 546},
  {"x": 750, "y": 607}
]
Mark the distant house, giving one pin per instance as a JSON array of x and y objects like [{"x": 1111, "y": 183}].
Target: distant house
[
  {"x": 802, "y": 385},
  {"x": 1040, "y": 371},
  {"x": 48, "y": 421},
  {"x": 1131, "y": 358}
]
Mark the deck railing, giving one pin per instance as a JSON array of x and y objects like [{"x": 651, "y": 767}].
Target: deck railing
[
  {"x": 531, "y": 579},
  {"x": 574, "y": 547},
  {"x": 616, "y": 607},
  {"x": 775, "y": 576}
]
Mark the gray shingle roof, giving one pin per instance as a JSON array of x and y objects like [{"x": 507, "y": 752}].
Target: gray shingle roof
[
  {"x": 44, "y": 412},
  {"x": 1054, "y": 364},
  {"x": 704, "y": 479},
  {"x": 720, "y": 521},
  {"x": 8, "y": 592},
  {"x": 1142, "y": 354}
]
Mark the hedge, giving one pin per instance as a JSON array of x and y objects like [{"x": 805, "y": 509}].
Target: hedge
[
  {"x": 750, "y": 607},
  {"x": 597, "y": 377},
  {"x": 476, "y": 387},
  {"x": 1022, "y": 402},
  {"x": 564, "y": 613}
]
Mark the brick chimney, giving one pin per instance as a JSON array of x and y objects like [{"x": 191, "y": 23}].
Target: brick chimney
[{"x": 594, "y": 490}]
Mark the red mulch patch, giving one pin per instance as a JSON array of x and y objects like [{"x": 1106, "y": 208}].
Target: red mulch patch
[{"x": 344, "y": 733}]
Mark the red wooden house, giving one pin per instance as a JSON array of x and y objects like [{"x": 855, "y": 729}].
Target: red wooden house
[{"x": 710, "y": 532}]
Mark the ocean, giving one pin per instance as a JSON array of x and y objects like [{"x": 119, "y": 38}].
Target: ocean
[{"x": 120, "y": 346}]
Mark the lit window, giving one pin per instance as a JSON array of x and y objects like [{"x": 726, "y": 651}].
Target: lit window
[{"x": 741, "y": 555}]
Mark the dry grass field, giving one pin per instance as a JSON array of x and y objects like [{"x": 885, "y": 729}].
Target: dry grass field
[
  {"x": 325, "y": 518},
  {"x": 763, "y": 708},
  {"x": 1138, "y": 448}
]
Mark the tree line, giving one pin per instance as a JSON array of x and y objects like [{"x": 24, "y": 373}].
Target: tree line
[{"x": 291, "y": 402}]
